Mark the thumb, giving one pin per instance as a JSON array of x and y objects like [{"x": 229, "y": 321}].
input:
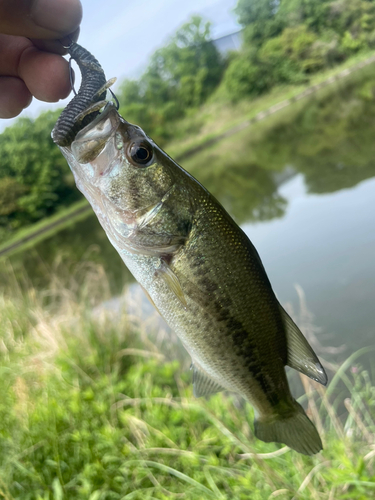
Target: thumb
[{"x": 48, "y": 19}]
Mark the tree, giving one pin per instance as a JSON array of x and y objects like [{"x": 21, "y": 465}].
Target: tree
[
  {"x": 251, "y": 11},
  {"x": 292, "y": 53},
  {"x": 180, "y": 75},
  {"x": 34, "y": 176},
  {"x": 247, "y": 76},
  {"x": 10, "y": 192},
  {"x": 311, "y": 13}
]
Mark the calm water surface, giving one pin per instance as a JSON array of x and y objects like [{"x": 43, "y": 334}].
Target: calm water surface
[
  {"x": 314, "y": 228},
  {"x": 325, "y": 244}
]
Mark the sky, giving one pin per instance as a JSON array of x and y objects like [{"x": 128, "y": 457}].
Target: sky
[{"x": 122, "y": 34}]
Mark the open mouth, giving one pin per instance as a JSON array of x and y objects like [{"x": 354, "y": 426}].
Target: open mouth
[{"x": 96, "y": 143}]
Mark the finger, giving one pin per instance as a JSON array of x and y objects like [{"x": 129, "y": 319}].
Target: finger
[
  {"x": 11, "y": 49},
  {"x": 46, "y": 75},
  {"x": 14, "y": 96},
  {"x": 40, "y": 18}
]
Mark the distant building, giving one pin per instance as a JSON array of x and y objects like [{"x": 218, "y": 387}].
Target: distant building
[{"x": 226, "y": 43}]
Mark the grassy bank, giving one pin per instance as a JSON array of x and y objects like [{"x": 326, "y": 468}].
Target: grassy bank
[{"x": 99, "y": 406}]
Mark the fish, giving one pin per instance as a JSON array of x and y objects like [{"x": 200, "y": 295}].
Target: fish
[{"x": 196, "y": 265}]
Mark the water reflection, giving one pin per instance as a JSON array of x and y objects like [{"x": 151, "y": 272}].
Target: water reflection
[
  {"x": 248, "y": 192},
  {"x": 326, "y": 245},
  {"x": 330, "y": 140}
]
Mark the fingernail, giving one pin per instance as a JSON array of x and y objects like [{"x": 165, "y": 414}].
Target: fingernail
[{"x": 62, "y": 16}]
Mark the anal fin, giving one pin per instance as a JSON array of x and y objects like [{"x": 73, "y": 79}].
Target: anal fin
[
  {"x": 203, "y": 384},
  {"x": 301, "y": 356}
]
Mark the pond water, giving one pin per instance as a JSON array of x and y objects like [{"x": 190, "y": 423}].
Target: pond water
[
  {"x": 303, "y": 189},
  {"x": 326, "y": 245}
]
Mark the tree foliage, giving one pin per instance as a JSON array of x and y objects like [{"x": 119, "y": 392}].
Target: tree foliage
[
  {"x": 34, "y": 177},
  {"x": 180, "y": 76},
  {"x": 295, "y": 38},
  {"x": 253, "y": 11},
  {"x": 247, "y": 75}
]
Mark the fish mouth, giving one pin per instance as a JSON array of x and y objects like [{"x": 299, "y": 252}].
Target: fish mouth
[
  {"x": 99, "y": 123},
  {"x": 98, "y": 143}
]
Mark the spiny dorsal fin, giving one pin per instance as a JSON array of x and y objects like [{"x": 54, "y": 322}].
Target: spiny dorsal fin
[
  {"x": 203, "y": 385},
  {"x": 171, "y": 280},
  {"x": 301, "y": 357}
]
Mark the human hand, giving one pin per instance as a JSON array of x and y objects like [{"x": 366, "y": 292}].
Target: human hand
[{"x": 30, "y": 53}]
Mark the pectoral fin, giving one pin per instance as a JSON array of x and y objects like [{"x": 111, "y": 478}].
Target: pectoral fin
[
  {"x": 171, "y": 280},
  {"x": 203, "y": 384},
  {"x": 301, "y": 357}
]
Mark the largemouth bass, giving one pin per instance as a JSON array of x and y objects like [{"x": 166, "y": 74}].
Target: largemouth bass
[{"x": 196, "y": 265}]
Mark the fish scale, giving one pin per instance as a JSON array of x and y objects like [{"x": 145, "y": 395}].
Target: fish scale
[{"x": 198, "y": 268}]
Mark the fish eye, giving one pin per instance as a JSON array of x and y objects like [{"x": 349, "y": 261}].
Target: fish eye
[{"x": 141, "y": 153}]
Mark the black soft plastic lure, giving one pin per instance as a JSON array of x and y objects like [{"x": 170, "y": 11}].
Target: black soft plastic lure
[{"x": 93, "y": 90}]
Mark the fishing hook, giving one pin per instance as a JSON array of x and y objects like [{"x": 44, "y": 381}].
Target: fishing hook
[
  {"x": 115, "y": 98},
  {"x": 71, "y": 72},
  {"x": 67, "y": 47},
  {"x": 71, "y": 76}
]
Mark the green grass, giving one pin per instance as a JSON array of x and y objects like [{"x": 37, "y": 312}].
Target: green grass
[{"x": 98, "y": 406}]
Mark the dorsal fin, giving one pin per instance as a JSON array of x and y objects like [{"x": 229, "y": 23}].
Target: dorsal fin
[
  {"x": 203, "y": 384},
  {"x": 301, "y": 357}
]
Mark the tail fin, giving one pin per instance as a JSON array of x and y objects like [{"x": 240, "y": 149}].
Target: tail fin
[{"x": 296, "y": 431}]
